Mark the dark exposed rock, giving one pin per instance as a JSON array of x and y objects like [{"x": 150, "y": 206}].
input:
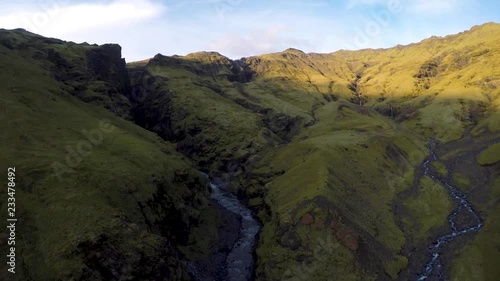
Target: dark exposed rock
[
  {"x": 427, "y": 70},
  {"x": 282, "y": 125},
  {"x": 99, "y": 76},
  {"x": 288, "y": 238},
  {"x": 241, "y": 72},
  {"x": 103, "y": 259}
]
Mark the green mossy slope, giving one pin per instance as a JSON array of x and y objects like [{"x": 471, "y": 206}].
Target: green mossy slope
[{"x": 117, "y": 206}]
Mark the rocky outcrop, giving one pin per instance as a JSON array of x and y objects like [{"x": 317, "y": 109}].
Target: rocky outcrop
[{"x": 94, "y": 74}]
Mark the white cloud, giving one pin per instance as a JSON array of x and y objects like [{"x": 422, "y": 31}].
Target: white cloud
[
  {"x": 259, "y": 41},
  {"x": 56, "y": 20},
  {"x": 269, "y": 31}
]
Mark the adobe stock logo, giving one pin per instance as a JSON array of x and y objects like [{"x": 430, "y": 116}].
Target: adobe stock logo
[
  {"x": 225, "y": 6},
  {"x": 379, "y": 20},
  {"x": 40, "y": 20},
  {"x": 83, "y": 148},
  {"x": 76, "y": 153}
]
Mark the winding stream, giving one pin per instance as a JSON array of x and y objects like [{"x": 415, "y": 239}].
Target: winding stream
[
  {"x": 232, "y": 257},
  {"x": 434, "y": 266},
  {"x": 240, "y": 259}
]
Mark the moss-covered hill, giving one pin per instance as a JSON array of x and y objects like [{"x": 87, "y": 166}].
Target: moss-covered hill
[
  {"x": 97, "y": 197},
  {"x": 325, "y": 147}
]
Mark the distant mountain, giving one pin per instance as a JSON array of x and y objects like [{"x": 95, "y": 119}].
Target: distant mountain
[{"x": 327, "y": 149}]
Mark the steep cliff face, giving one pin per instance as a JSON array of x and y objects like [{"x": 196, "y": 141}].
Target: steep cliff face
[{"x": 94, "y": 74}]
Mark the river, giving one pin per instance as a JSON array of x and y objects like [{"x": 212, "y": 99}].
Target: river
[
  {"x": 434, "y": 269},
  {"x": 240, "y": 260},
  {"x": 239, "y": 229}
]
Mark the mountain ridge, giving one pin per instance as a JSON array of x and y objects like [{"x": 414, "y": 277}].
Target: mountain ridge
[{"x": 475, "y": 28}]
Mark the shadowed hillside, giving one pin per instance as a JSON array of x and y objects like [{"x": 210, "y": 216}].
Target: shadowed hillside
[
  {"x": 327, "y": 149},
  {"x": 97, "y": 196}
]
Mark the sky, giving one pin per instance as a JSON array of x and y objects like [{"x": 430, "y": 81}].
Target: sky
[{"x": 243, "y": 28}]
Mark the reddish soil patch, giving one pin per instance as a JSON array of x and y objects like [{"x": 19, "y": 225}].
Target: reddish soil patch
[
  {"x": 307, "y": 219},
  {"x": 346, "y": 235}
]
